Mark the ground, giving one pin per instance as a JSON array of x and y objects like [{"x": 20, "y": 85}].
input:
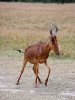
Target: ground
[{"x": 61, "y": 84}]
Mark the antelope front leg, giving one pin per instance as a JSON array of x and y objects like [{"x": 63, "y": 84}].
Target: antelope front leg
[
  {"x": 49, "y": 70},
  {"x": 36, "y": 71}
]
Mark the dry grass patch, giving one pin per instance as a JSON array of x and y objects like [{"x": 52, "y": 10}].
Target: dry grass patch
[{"x": 23, "y": 24}]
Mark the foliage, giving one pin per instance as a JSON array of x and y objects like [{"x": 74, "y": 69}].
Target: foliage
[{"x": 44, "y": 1}]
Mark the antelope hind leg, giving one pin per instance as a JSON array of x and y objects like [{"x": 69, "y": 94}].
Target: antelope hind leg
[
  {"x": 24, "y": 64},
  {"x": 49, "y": 70}
]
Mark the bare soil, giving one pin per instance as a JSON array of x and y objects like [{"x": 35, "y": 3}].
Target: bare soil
[{"x": 61, "y": 84}]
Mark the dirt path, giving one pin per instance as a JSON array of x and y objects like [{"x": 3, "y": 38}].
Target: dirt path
[{"x": 61, "y": 85}]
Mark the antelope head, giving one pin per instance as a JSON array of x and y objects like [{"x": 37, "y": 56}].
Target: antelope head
[{"x": 53, "y": 41}]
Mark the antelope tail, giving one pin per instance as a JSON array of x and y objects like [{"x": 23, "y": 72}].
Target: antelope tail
[{"x": 20, "y": 51}]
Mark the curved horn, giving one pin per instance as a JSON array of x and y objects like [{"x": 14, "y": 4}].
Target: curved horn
[
  {"x": 56, "y": 28},
  {"x": 51, "y": 30}
]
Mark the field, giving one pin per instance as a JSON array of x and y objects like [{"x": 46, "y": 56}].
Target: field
[{"x": 23, "y": 24}]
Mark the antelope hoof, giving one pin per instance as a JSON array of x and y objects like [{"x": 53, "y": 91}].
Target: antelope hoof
[
  {"x": 17, "y": 83},
  {"x": 35, "y": 85},
  {"x": 46, "y": 83}
]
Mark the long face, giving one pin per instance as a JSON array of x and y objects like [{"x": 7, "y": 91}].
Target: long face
[
  {"x": 54, "y": 45},
  {"x": 53, "y": 42}
]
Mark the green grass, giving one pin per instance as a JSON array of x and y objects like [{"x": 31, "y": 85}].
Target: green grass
[{"x": 24, "y": 24}]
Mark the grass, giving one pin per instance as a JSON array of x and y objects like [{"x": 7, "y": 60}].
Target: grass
[{"x": 23, "y": 24}]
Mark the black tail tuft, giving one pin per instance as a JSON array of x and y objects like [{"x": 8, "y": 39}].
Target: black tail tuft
[{"x": 19, "y": 51}]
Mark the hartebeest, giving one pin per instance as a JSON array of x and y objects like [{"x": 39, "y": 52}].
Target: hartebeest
[{"x": 38, "y": 53}]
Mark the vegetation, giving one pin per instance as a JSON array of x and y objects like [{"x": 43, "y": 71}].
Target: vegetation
[
  {"x": 23, "y": 24},
  {"x": 44, "y": 1}
]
